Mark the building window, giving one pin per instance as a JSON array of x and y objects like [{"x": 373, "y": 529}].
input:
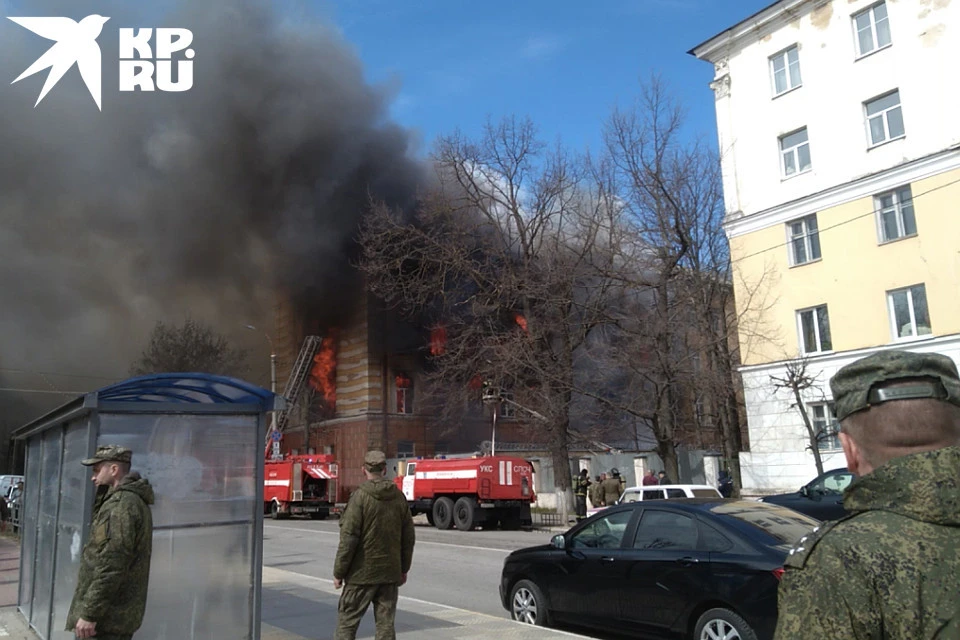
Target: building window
[
  {"x": 406, "y": 449},
  {"x": 785, "y": 67},
  {"x": 404, "y": 393},
  {"x": 872, "y": 29},
  {"x": 814, "y": 325},
  {"x": 895, "y": 210},
  {"x": 825, "y": 425},
  {"x": 507, "y": 408},
  {"x": 804, "y": 240},
  {"x": 908, "y": 312},
  {"x": 884, "y": 118},
  {"x": 795, "y": 153}
]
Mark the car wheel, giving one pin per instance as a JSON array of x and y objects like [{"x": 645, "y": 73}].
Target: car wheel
[
  {"x": 722, "y": 624},
  {"x": 527, "y": 604}
]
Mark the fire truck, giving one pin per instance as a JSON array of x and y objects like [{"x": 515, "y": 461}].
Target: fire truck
[
  {"x": 466, "y": 492},
  {"x": 300, "y": 485}
]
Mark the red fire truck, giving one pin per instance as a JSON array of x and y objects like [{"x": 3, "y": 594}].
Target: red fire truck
[
  {"x": 466, "y": 492},
  {"x": 300, "y": 485}
]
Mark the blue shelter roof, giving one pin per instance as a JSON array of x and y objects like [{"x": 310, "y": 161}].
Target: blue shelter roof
[{"x": 185, "y": 388}]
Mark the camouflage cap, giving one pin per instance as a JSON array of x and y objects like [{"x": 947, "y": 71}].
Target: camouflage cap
[
  {"x": 853, "y": 386},
  {"x": 109, "y": 453},
  {"x": 375, "y": 461}
]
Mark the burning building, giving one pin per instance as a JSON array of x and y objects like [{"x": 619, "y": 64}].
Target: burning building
[{"x": 364, "y": 390}]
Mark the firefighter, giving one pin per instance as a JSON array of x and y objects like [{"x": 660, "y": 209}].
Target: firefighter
[
  {"x": 611, "y": 488},
  {"x": 581, "y": 487}
]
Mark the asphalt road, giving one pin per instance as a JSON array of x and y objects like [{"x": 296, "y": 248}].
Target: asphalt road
[{"x": 454, "y": 568}]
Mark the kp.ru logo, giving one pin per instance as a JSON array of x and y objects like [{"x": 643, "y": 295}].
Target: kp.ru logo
[{"x": 141, "y": 66}]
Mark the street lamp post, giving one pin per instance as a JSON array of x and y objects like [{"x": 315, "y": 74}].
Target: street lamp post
[{"x": 273, "y": 374}]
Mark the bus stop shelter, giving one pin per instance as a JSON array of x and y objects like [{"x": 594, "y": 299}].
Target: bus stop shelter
[{"x": 199, "y": 440}]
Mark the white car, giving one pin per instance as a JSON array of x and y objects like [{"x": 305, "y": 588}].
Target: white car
[{"x": 663, "y": 492}]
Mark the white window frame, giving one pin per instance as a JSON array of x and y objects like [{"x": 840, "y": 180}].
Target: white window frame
[
  {"x": 794, "y": 150},
  {"x": 892, "y": 313},
  {"x": 805, "y": 237},
  {"x": 816, "y": 329},
  {"x": 884, "y": 117},
  {"x": 871, "y": 11},
  {"x": 785, "y": 54},
  {"x": 828, "y": 422},
  {"x": 898, "y": 211}
]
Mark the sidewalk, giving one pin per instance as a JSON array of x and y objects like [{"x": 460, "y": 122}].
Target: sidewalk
[{"x": 299, "y": 607}]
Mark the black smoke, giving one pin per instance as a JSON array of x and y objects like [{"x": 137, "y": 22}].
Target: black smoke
[{"x": 199, "y": 204}]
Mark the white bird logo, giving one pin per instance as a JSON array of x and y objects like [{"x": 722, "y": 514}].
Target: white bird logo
[{"x": 75, "y": 43}]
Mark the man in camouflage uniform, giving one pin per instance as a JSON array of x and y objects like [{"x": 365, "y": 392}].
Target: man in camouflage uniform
[
  {"x": 611, "y": 489},
  {"x": 891, "y": 569},
  {"x": 375, "y": 552},
  {"x": 595, "y": 490},
  {"x": 111, "y": 593}
]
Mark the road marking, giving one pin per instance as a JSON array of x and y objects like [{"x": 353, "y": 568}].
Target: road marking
[
  {"x": 272, "y": 575},
  {"x": 419, "y": 542}
]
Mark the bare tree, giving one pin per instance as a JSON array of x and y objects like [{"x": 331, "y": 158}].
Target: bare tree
[
  {"x": 190, "y": 347},
  {"x": 505, "y": 258},
  {"x": 797, "y": 381},
  {"x": 674, "y": 260}
]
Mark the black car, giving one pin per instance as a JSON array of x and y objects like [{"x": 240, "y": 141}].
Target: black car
[
  {"x": 821, "y": 498},
  {"x": 690, "y": 568}
]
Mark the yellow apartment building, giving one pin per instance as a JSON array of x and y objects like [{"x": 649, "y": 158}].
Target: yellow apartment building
[{"x": 840, "y": 143}]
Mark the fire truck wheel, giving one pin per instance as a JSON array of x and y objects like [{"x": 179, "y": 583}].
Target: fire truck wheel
[
  {"x": 443, "y": 513},
  {"x": 463, "y": 513},
  {"x": 275, "y": 510},
  {"x": 430, "y": 519}
]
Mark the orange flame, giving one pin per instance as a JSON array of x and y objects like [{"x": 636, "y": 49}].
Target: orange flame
[
  {"x": 323, "y": 376},
  {"x": 521, "y": 322},
  {"x": 438, "y": 340}
]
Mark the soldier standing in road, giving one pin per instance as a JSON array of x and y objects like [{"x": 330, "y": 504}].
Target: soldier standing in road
[
  {"x": 375, "y": 552},
  {"x": 890, "y": 569},
  {"x": 582, "y": 486},
  {"x": 111, "y": 594},
  {"x": 611, "y": 489},
  {"x": 595, "y": 490}
]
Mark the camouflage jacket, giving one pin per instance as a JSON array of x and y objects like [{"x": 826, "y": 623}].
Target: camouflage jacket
[
  {"x": 610, "y": 491},
  {"x": 115, "y": 565},
  {"x": 376, "y": 535},
  {"x": 889, "y": 570}
]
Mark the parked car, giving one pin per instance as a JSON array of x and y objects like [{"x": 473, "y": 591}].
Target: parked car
[
  {"x": 821, "y": 498},
  {"x": 693, "y": 568},
  {"x": 663, "y": 492}
]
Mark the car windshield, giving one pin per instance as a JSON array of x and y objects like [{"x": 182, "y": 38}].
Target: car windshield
[{"x": 778, "y": 525}]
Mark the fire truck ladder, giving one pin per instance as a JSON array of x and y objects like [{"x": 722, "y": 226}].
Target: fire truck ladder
[{"x": 296, "y": 380}]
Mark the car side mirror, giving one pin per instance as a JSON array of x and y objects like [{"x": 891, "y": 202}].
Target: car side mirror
[
  {"x": 558, "y": 541},
  {"x": 805, "y": 492}
]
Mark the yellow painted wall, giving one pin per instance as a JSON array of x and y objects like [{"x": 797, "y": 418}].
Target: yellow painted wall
[{"x": 853, "y": 275}]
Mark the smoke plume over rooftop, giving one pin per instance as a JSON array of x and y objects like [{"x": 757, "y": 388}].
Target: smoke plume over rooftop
[{"x": 173, "y": 204}]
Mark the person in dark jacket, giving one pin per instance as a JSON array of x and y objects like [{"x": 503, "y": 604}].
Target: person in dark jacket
[
  {"x": 375, "y": 552},
  {"x": 581, "y": 487},
  {"x": 890, "y": 569},
  {"x": 663, "y": 478},
  {"x": 111, "y": 594}
]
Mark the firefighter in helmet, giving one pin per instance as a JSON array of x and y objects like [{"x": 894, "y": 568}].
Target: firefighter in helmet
[
  {"x": 580, "y": 489},
  {"x": 612, "y": 489}
]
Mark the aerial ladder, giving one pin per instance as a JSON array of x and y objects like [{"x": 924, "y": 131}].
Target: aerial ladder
[{"x": 295, "y": 381}]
